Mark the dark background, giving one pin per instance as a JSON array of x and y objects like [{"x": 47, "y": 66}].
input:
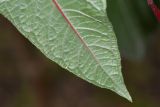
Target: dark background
[{"x": 29, "y": 79}]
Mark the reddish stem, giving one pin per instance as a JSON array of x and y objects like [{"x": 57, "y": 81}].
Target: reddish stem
[{"x": 154, "y": 8}]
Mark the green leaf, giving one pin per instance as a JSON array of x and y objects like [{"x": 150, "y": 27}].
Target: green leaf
[{"x": 76, "y": 34}]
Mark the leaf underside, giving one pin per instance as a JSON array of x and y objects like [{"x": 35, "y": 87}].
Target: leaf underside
[{"x": 76, "y": 34}]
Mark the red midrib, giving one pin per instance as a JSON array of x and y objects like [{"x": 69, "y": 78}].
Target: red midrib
[{"x": 75, "y": 31}]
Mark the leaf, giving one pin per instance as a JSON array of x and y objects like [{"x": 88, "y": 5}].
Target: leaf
[{"x": 76, "y": 34}]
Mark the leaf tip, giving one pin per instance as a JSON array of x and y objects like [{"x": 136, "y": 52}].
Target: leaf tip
[
  {"x": 128, "y": 97},
  {"x": 125, "y": 94}
]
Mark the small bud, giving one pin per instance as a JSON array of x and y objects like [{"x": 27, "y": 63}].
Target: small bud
[{"x": 155, "y": 9}]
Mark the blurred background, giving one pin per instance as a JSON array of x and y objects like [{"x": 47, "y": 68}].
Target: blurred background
[{"x": 29, "y": 79}]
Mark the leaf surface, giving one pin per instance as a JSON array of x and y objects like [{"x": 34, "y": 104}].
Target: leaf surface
[{"x": 76, "y": 34}]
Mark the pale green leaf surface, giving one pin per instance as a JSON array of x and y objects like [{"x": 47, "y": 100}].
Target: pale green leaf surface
[{"x": 92, "y": 55}]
